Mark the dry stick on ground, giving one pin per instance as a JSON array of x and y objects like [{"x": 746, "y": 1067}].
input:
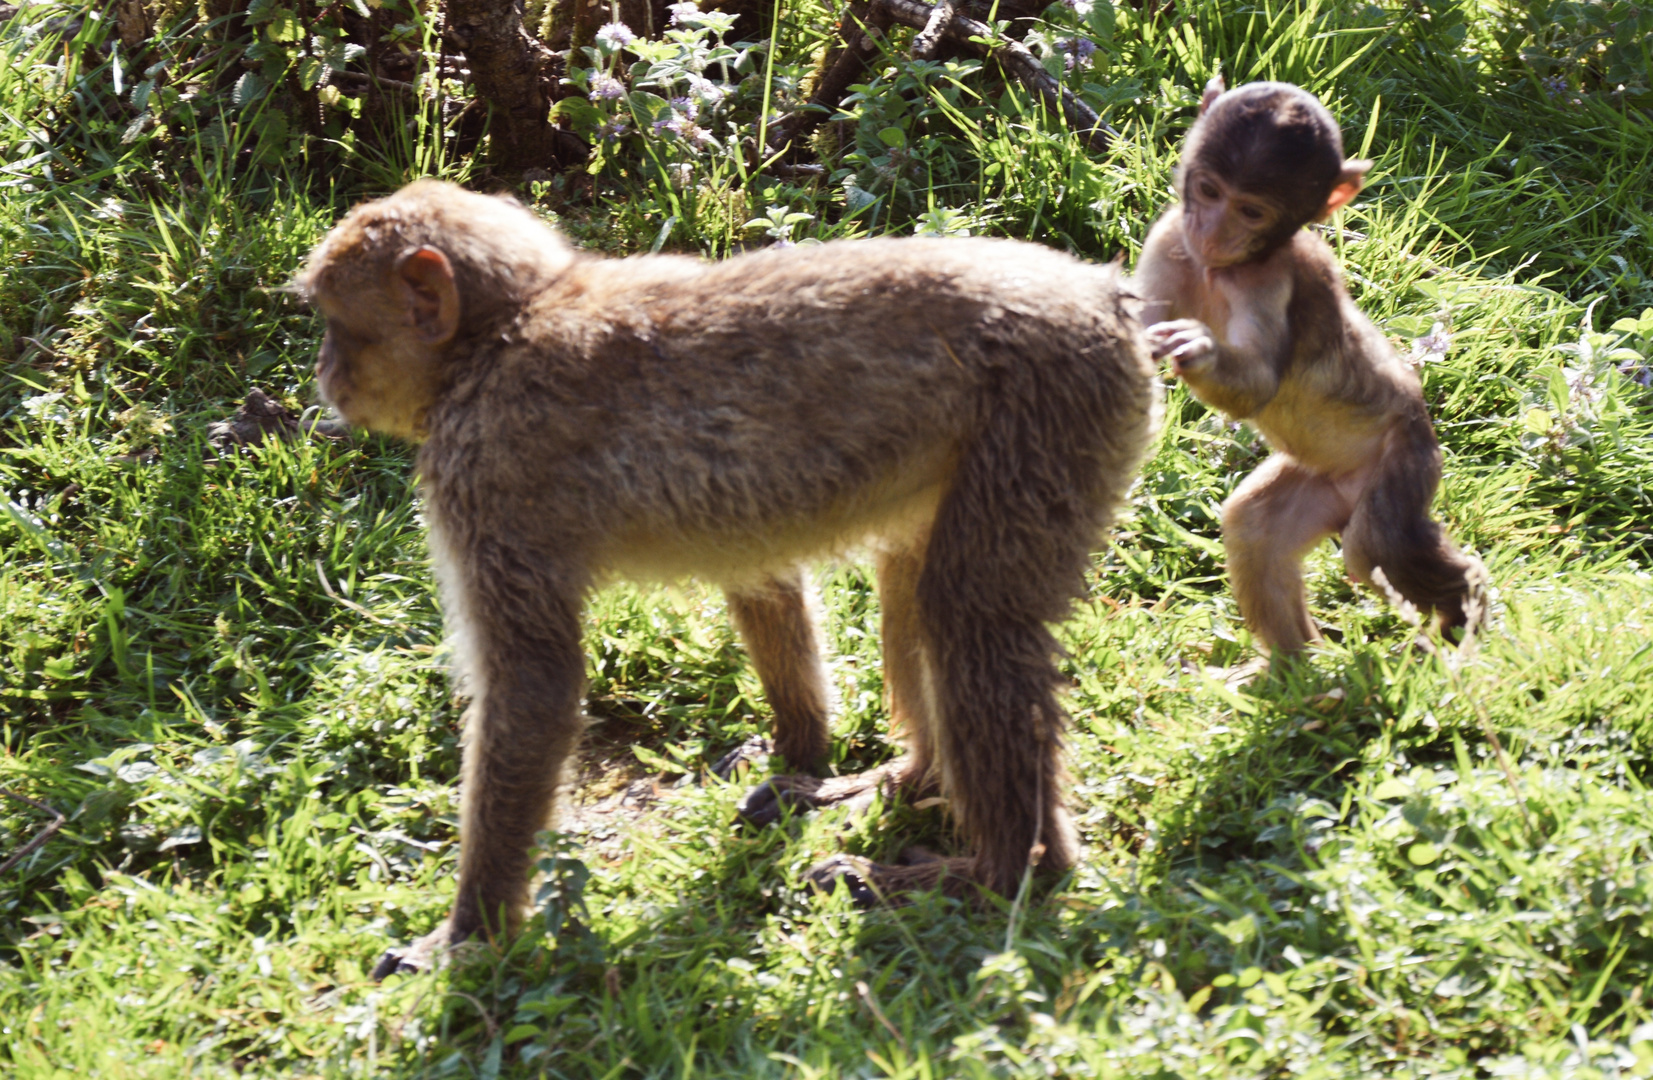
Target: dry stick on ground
[
  {"x": 929, "y": 38},
  {"x": 866, "y": 22},
  {"x": 40, "y": 838},
  {"x": 859, "y": 33},
  {"x": 1015, "y": 58}
]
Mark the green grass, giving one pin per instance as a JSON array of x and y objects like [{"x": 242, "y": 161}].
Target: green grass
[{"x": 225, "y": 669}]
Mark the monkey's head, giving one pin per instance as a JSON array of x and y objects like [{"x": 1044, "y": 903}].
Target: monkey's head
[
  {"x": 1262, "y": 161},
  {"x": 408, "y": 284}
]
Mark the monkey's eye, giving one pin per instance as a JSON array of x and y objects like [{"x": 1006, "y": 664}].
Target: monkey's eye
[
  {"x": 1209, "y": 190},
  {"x": 1252, "y": 214}
]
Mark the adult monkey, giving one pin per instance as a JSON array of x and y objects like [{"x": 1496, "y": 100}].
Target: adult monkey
[
  {"x": 976, "y": 407},
  {"x": 1259, "y": 325}
]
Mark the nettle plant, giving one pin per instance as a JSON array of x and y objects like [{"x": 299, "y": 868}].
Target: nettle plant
[
  {"x": 670, "y": 96},
  {"x": 1587, "y": 397}
]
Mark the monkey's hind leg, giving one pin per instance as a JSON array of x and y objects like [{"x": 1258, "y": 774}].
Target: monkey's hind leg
[
  {"x": 777, "y": 621},
  {"x": 911, "y": 709},
  {"x": 1006, "y": 557},
  {"x": 1270, "y": 522},
  {"x": 1391, "y": 530}
]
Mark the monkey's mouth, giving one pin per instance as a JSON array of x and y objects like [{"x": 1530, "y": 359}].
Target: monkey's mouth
[
  {"x": 1221, "y": 258},
  {"x": 1202, "y": 255}
]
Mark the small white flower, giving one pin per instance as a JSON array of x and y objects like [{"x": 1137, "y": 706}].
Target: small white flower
[
  {"x": 684, "y": 12},
  {"x": 1432, "y": 346},
  {"x": 706, "y": 91},
  {"x": 616, "y": 35}
]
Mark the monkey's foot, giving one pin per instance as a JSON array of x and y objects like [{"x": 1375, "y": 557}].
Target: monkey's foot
[
  {"x": 1240, "y": 674},
  {"x": 422, "y": 954},
  {"x": 870, "y": 883},
  {"x": 753, "y": 750},
  {"x": 765, "y": 804}
]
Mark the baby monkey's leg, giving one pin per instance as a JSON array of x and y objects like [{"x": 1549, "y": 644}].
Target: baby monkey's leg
[{"x": 1270, "y": 522}]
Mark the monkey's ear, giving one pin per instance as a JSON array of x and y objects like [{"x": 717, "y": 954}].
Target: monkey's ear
[
  {"x": 1347, "y": 185},
  {"x": 1213, "y": 90},
  {"x": 425, "y": 279}
]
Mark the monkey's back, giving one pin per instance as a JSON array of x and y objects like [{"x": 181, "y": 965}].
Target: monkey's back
[{"x": 757, "y": 403}]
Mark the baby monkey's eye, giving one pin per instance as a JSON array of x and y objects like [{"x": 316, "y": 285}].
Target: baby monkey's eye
[
  {"x": 1209, "y": 190},
  {"x": 1252, "y": 213}
]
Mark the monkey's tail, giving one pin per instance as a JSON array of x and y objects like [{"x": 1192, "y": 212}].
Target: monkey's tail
[{"x": 1391, "y": 531}]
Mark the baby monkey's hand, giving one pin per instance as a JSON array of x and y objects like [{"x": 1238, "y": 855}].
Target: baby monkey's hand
[{"x": 1187, "y": 342}]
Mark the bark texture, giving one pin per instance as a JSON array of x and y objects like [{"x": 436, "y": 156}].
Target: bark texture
[{"x": 508, "y": 67}]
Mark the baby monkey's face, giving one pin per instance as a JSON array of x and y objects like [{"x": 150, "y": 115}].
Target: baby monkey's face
[{"x": 1223, "y": 225}]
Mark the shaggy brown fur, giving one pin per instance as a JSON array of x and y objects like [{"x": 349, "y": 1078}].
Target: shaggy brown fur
[
  {"x": 972, "y": 409},
  {"x": 1261, "y": 327}
]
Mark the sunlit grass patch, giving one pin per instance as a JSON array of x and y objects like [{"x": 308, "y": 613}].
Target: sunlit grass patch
[{"x": 226, "y": 667}]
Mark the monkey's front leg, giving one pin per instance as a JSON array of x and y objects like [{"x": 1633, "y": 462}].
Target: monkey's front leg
[
  {"x": 1186, "y": 342},
  {"x": 777, "y": 622},
  {"x": 1231, "y": 379},
  {"x": 523, "y": 724},
  {"x": 1272, "y": 520}
]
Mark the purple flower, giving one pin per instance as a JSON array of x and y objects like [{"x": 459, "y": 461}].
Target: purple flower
[
  {"x": 671, "y": 123},
  {"x": 689, "y": 107},
  {"x": 613, "y": 129},
  {"x": 1079, "y": 51},
  {"x": 616, "y": 35},
  {"x": 606, "y": 87}
]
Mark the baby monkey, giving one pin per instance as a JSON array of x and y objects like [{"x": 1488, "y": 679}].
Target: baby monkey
[
  {"x": 973, "y": 409},
  {"x": 1260, "y": 326}
]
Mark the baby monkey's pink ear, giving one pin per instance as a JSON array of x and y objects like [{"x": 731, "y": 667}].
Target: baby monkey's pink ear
[
  {"x": 1347, "y": 186},
  {"x": 1213, "y": 90}
]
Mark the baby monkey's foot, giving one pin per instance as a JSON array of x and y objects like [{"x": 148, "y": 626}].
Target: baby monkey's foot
[
  {"x": 436, "y": 949},
  {"x": 753, "y": 750}
]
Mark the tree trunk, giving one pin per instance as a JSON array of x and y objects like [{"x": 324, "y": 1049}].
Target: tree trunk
[{"x": 508, "y": 67}]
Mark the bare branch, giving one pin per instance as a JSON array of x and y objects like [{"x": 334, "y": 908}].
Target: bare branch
[
  {"x": 40, "y": 838},
  {"x": 1012, "y": 55},
  {"x": 929, "y": 38},
  {"x": 865, "y": 22}
]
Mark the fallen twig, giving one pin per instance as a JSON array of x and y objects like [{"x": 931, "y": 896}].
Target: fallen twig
[
  {"x": 865, "y": 23},
  {"x": 1013, "y": 56},
  {"x": 860, "y": 29},
  {"x": 357, "y": 81},
  {"x": 929, "y": 38},
  {"x": 40, "y": 837}
]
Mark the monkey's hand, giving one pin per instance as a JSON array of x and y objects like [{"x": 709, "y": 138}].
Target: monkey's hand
[{"x": 1188, "y": 342}]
